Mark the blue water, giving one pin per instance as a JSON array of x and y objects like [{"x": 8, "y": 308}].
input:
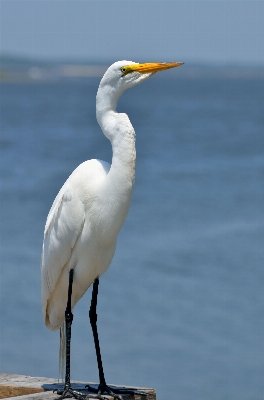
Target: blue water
[{"x": 182, "y": 307}]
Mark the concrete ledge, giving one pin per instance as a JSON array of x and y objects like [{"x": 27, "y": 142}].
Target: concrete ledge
[{"x": 21, "y": 387}]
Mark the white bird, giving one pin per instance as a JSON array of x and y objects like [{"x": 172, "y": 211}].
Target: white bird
[{"x": 89, "y": 210}]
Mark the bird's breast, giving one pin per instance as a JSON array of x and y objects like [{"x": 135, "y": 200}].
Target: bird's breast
[
  {"x": 106, "y": 195},
  {"x": 110, "y": 210}
]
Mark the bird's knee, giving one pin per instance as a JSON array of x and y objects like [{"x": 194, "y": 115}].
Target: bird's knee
[
  {"x": 92, "y": 316},
  {"x": 68, "y": 317}
]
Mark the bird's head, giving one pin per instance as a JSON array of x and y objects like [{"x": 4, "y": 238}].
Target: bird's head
[
  {"x": 123, "y": 75},
  {"x": 120, "y": 76}
]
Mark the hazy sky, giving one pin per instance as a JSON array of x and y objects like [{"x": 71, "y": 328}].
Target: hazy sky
[{"x": 138, "y": 30}]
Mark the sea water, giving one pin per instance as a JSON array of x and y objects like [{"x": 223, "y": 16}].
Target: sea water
[{"x": 182, "y": 307}]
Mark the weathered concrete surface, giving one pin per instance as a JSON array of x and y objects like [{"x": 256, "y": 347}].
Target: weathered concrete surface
[{"x": 21, "y": 387}]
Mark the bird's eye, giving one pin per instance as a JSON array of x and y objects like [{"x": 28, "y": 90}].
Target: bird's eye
[{"x": 123, "y": 70}]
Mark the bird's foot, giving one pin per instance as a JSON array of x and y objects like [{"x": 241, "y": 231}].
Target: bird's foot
[
  {"x": 101, "y": 390},
  {"x": 69, "y": 392},
  {"x": 113, "y": 392}
]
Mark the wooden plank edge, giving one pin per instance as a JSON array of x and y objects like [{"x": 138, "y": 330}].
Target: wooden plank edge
[
  {"x": 35, "y": 396},
  {"x": 7, "y": 391}
]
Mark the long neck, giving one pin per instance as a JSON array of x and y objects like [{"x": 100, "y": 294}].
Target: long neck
[
  {"x": 119, "y": 183},
  {"x": 119, "y": 130}
]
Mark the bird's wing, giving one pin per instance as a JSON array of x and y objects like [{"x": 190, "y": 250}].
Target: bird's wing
[{"x": 63, "y": 227}]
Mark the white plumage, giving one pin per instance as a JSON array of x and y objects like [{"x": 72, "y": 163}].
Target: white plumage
[{"x": 88, "y": 212}]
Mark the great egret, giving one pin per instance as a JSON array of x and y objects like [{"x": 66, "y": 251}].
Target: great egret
[{"x": 88, "y": 213}]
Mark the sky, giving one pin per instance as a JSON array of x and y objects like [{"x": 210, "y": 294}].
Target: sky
[{"x": 218, "y": 32}]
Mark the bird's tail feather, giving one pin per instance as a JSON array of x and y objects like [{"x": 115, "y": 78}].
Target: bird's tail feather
[{"x": 62, "y": 355}]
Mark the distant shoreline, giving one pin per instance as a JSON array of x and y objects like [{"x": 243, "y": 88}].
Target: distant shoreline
[{"x": 27, "y": 70}]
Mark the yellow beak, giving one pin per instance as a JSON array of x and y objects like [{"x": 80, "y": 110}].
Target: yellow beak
[{"x": 148, "y": 68}]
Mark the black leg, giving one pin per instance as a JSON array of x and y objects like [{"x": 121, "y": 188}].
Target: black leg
[
  {"x": 93, "y": 321},
  {"x": 102, "y": 387},
  {"x": 68, "y": 319}
]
